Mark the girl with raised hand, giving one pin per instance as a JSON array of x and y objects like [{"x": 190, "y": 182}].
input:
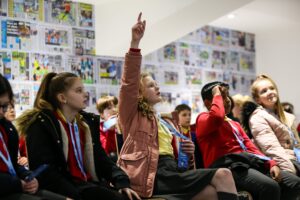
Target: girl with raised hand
[
  {"x": 147, "y": 154},
  {"x": 57, "y": 135}
]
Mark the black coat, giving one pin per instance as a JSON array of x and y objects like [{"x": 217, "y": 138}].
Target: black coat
[
  {"x": 44, "y": 145},
  {"x": 10, "y": 184}
]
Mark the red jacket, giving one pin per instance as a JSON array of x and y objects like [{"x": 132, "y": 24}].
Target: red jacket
[
  {"x": 108, "y": 140},
  {"x": 215, "y": 135}
]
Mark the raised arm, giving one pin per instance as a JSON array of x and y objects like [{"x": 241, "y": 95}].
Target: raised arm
[
  {"x": 209, "y": 122},
  {"x": 128, "y": 99}
]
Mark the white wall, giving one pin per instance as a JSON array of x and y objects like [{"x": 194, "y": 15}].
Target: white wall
[
  {"x": 278, "y": 55},
  {"x": 276, "y": 25}
]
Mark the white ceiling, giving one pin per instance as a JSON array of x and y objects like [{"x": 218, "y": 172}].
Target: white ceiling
[
  {"x": 168, "y": 20},
  {"x": 263, "y": 16}
]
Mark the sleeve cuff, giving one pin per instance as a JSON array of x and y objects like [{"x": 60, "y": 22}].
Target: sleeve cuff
[
  {"x": 122, "y": 182},
  {"x": 135, "y": 50},
  {"x": 270, "y": 164}
]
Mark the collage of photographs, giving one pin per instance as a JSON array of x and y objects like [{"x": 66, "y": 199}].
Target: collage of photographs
[{"x": 68, "y": 34}]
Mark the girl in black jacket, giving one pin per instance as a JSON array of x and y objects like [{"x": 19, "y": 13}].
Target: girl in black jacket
[
  {"x": 13, "y": 182},
  {"x": 56, "y": 134}
]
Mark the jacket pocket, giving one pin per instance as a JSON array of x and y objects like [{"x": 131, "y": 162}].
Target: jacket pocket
[{"x": 136, "y": 166}]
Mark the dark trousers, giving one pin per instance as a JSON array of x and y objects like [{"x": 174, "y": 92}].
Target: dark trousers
[
  {"x": 90, "y": 191},
  {"x": 290, "y": 186},
  {"x": 258, "y": 184},
  {"x": 40, "y": 195}
]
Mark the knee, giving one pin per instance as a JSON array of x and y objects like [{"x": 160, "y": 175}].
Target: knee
[
  {"x": 209, "y": 192},
  {"x": 223, "y": 174},
  {"x": 272, "y": 186}
]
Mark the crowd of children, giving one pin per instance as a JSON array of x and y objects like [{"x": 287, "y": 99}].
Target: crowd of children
[{"x": 129, "y": 151}]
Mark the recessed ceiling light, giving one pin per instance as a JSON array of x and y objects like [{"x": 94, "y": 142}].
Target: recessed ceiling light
[{"x": 231, "y": 16}]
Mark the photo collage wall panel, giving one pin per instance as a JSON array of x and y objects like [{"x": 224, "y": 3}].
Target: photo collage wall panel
[
  {"x": 205, "y": 55},
  {"x": 42, "y": 36}
]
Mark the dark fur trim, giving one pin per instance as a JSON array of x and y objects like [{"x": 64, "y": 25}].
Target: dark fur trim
[{"x": 246, "y": 111}]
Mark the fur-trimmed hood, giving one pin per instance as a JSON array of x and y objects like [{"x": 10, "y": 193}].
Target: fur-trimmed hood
[
  {"x": 248, "y": 108},
  {"x": 25, "y": 120}
]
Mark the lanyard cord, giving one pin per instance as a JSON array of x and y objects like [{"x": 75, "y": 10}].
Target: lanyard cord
[
  {"x": 7, "y": 160},
  {"x": 76, "y": 146},
  {"x": 173, "y": 131},
  {"x": 240, "y": 140}
]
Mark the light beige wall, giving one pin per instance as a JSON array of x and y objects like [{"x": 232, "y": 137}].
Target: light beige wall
[{"x": 278, "y": 55}]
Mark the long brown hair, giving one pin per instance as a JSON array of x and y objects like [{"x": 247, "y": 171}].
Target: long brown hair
[
  {"x": 51, "y": 85},
  {"x": 278, "y": 107},
  {"x": 143, "y": 105}
]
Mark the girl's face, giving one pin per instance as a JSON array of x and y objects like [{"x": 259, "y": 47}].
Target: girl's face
[
  {"x": 150, "y": 90},
  {"x": 4, "y": 102},
  {"x": 185, "y": 118},
  {"x": 109, "y": 111},
  {"x": 267, "y": 95},
  {"x": 10, "y": 114},
  {"x": 76, "y": 97}
]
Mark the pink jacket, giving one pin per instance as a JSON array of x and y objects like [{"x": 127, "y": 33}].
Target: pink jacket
[
  {"x": 139, "y": 154},
  {"x": 273, "y": 138}
]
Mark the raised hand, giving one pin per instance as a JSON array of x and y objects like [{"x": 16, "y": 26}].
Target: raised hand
[{"x": 137, "y": 32}]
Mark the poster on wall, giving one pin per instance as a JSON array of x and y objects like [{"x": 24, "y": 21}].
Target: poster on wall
[
  {"x": 171, "y": 77},
  {"x": 238, "y": 82},
  {"x": 210, "y": 75},
  {"x": 204, "y": 35},
  {"x": 168, "y": 53},
  {"x": 220, "y": 37},
  {"x": 250, "y": 42},
  {"x": 219, "y": 58},
  {"x": 84, "y": 67},
  {"x": 233, "y": 61},
  {"x": 245, "y": 83},
  {"x": 237, "y": 40},
  {"x": 184, "y": 53},
  {"x": 109, "y": 70},
  {"x": 26, "y": 9},
  {"x": 200, "y": 56},
  {"x": 196, "y": 104},
  {"x": 5, "y": 64},
  {"x": 86, "y": 15},
  {"x": 193, "y": 76},
  {"x": 247, "y": 62},
  {"x": 150, "y": 58},
  {"x": 172, "y": 98},
  {"x": 19, "y": 35},
  {"x": 91, "y": 91},
  {"x": 61, "y": 12},
  {"x": 20, "y": 66},
  {"x": 83, "y": 42},
  {"x": 3, "y": 8},
  {"x": 23, "y": 94},
  {"x": 56, "y": 39},
  {"x": 42, "y": 64}
]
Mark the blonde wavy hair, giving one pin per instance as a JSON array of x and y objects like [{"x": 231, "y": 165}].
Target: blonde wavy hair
[
  {"x": 143, "y": 105},
  {"x": 278, "y": 107}
]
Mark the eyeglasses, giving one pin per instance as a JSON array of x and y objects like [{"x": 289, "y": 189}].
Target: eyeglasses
[{"x": 4, "y": 107}]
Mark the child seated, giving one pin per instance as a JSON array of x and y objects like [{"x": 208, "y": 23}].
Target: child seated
[
  {"x": 223, "y": 143},
  {"x": 147, "y": 154},
  {"x": 107, "y": 108}
]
